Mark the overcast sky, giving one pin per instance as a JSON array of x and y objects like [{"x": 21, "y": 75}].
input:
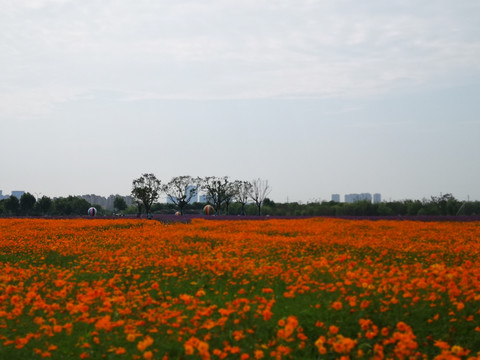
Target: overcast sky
[{"x": 318, "y": 97}]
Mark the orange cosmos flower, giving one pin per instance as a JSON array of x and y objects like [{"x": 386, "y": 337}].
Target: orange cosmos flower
[
  {"x": 147, "y": 355},
  {"x": 333, "y": 329},
  {"x": 337, "y": 305},
  {"x": 258, "y": 354},
  {"x": 143, "y": 344}
]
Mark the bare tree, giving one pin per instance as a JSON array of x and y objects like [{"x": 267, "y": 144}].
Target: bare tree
[
  {"x": 242, "y": 193},
  {"x": 145, "y": 191},
  {"x": 259, "y": 192},
  {"x": 181, "y": 190}
]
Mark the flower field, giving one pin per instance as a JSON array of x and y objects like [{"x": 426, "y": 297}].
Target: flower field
[{"x": 274, "y": 289}]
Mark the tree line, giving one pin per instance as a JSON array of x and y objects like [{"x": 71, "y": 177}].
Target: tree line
[
  {"x": 445, "y": 205},
  {"x": 28, "y": 205},
  {"x": 238, "y": 204},
  {"x": 220, "y": 192},
  {"x": 239, "y": 197}
]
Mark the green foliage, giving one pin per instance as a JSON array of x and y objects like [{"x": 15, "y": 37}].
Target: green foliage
[
  {"x": 146, "y": 190},
  {"x": 71, "y": 205},
  {"x": 119, "y": 203},
  {"x": 12, "y": 205},
  {"x": 445, "y": 205},
  {"x": 27, "y": 202},
  {"x": 413, "y": 207},
  {"x": 44, "y": 205}
]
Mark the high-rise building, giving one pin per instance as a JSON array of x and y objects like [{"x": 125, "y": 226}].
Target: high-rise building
[
  {"x": 351, "y": 198},
  {"x": 377, "y": 198},
  {"x": 365, "y": 197},
  {"x": 190, "y": 189},
  {"x": 106, "y": 203},
  {"x": 336, "y": 197},
  {"x": 18, "y": 194}
]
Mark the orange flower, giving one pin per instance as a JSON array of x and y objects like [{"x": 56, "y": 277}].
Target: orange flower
[
  {"x": 143, "y": 344},
  {"x": 401, "y": 326},
  {"x": 344, "y": 345},
  {"x": 189, "y": 349},
  {"x": 131, "y": 337},
  {"x": 333, "y": 329},
  {"x": 258, "y": 354},
  {"x": 147, "y": 355},
  {"x": 337, "y": 305},
  {"x": 320, "y": 345},
  {"x": 104, "y": 280}
]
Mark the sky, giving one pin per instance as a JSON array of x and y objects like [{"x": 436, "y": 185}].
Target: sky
[{"x": 317, "y": 97}]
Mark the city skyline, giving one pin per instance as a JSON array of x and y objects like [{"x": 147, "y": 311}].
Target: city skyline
[{"x": 315, "y": 97}]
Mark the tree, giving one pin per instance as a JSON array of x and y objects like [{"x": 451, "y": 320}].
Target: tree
[
  {"x": 12, "y": 205},
  {"x": 181, "y": 190},
  {"x": 119, "y": 203},
  {"x": 139, "y": 207},
  {"x": 71, "y": 205},
  {"x": 446, "y": 204},
  {"x": 44, "y": 204},
  {"x": 413, "y": 207},
  {"x": 146, "y": 190},
  {"x": 242, "y": 193},
  {"x": 62, "y": 206},
  {"x": 258, "y": 193},
  {"x": 230, "y": 192},
  {"x": 27, "y": 202},
  {"x": 216, "y": 189}
]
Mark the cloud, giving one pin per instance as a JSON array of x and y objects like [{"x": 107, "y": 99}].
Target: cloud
[{"x": 229, "y": 49}]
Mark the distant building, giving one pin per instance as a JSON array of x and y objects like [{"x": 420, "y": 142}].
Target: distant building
[
  {"x": 377, "y": 198},
  {"x": 106, "y": 203},
  {"x": 366, "y": 197},
  {"x": 202, "y": 198},
  {"x": 336, "y": 197},
  {"x": 189, "y": 190},
  {"x": 194, "y": 198},
  {"x": 18, "y": 194},
  {"x": 351, "y": 198}
]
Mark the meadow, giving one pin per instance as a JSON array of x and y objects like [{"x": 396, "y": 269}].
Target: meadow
[{"x": 270, "y": 289}]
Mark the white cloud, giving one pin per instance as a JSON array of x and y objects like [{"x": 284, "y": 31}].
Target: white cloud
[{"x": 230, "y": 49}]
